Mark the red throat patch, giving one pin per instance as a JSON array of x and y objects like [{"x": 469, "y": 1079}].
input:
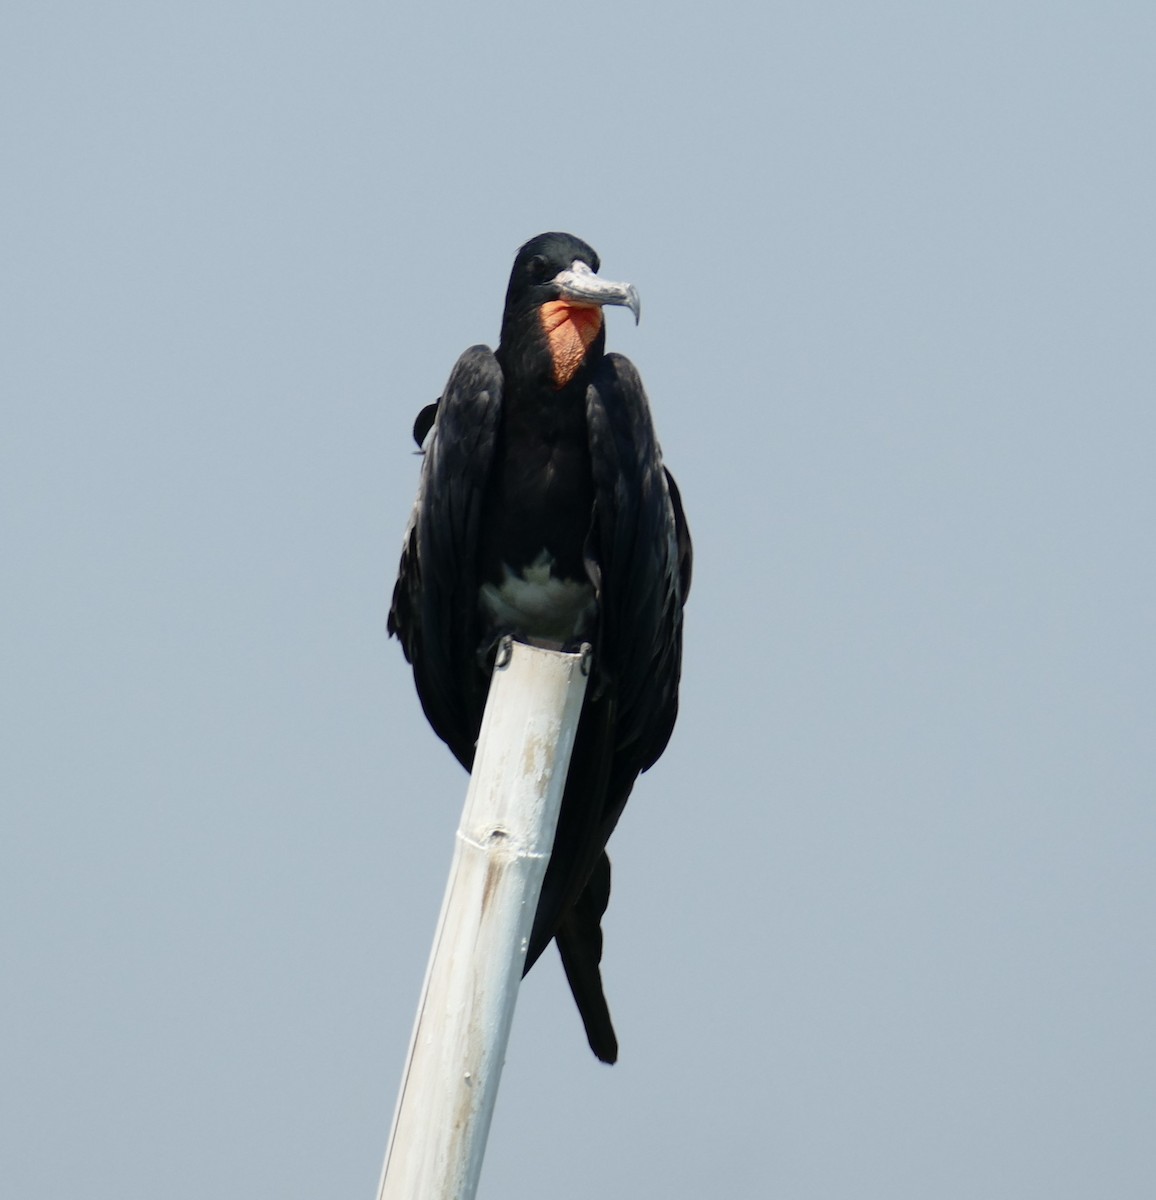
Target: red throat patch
[{"x": 570, "y": 330}]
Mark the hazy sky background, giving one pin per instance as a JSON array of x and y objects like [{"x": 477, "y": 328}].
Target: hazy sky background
[{"x": 883, "y": 916}]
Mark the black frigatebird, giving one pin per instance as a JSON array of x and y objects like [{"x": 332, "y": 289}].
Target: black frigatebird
[{"x": 544, "y": 512}]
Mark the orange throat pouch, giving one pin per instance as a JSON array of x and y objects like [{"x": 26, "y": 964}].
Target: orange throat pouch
[{"x": 570, "y": 330}]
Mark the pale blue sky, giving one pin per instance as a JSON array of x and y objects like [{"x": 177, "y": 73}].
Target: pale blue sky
[{"x": 883, "y": 915}]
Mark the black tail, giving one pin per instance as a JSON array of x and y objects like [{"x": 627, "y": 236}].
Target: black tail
[{"x": 579, "y": 939}]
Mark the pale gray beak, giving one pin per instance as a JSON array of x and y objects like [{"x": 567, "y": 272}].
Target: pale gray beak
[{"x": 578, "y": 282}]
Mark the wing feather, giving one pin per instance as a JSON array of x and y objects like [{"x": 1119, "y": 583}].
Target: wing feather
[
  {"x": 643, "y": 548},
  {"x": 434, "y": 610}
]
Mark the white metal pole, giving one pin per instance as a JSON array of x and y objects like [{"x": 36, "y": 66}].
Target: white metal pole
[{"x": 500, "y": 855}]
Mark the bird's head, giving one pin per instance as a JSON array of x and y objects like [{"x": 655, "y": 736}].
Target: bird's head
[{"x": 553, "y": 316}]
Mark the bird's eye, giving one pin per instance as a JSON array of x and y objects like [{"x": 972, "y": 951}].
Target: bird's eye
[{"x": 539, "y": 269}]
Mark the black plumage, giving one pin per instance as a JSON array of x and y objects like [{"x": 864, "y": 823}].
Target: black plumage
[{"x": 544, "y": 512}]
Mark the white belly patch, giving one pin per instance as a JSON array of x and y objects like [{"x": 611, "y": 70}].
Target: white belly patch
[{"x": 537, "y": 606}]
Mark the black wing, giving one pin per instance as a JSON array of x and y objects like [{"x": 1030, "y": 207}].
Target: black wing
[
  {"x": 639, "y": 558},
  {"x": 643, "y": 552},
  {"x": 435, "y": 611}
]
